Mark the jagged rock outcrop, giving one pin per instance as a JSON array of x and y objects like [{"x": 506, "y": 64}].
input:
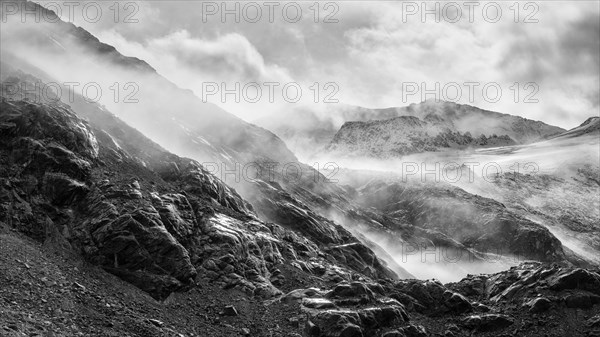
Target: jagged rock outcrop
[
  {"x": 487, "y": 305},
  {"x": 280, "y": 207}
]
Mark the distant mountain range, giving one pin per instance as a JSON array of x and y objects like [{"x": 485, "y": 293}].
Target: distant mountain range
[
  {"x": 435, "y": 126},
  {"x": 427, "y": 126},
  {"x": 404, "y": 135}
]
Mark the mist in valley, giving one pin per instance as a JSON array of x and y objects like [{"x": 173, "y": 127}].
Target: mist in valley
[{"x": 553, "y": 183}]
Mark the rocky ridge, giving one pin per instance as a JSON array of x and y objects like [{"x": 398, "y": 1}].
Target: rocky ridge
[{"x": 405, "y": 135}]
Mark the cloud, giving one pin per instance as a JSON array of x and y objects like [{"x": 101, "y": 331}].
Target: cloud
[
  {"x": 230, "y": 54},
  {"x": 192, "y": 63},
  {"x": 227, "y": 57},
  {"x": 371, "y": 52}
]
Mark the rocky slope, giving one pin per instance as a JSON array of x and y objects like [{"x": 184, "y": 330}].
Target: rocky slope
[
  {"x": 174, "y": 118},
  {"x": 48, "y": 293},
  {"x": 568, "y": 206},
  {"x": 138, "y": 206}
]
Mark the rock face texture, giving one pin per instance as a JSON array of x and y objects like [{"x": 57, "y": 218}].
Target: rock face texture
[{"x": 486, "y": 305}]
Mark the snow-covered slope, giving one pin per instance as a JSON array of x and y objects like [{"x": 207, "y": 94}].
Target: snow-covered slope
[
  {"x": 404, "y": 135},
  {"x": 307, "y": 131}
]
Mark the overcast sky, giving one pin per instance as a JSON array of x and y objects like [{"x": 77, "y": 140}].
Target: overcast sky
[{"x": 373, "y": 51}]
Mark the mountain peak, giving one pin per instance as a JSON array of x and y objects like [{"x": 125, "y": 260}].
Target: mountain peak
[{"x": 592, "y": 121}]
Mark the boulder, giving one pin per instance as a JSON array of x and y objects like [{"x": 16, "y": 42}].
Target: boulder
[
  {"x": 139, "y": 240},
  {"x": 62, "y": 190},
  {"x": 456, "y": 302},
  {"x": 581, "y": 300},
  {"x": 488, "y": 322},
  {"x": 576, "y": 279},
  {"x": 538, "y": 304},
  {"x": 317, "y": 303}
]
